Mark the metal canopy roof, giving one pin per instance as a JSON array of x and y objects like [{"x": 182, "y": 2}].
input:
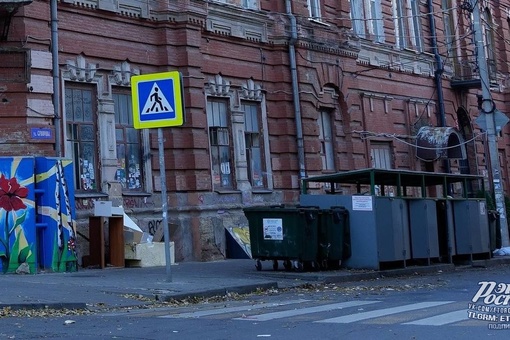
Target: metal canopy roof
[{"x": 392, "y": 177}]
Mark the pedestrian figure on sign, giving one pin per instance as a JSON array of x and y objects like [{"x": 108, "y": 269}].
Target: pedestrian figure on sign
[{"x": 156, "y": 99}]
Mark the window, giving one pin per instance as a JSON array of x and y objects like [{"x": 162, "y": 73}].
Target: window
[
  {"x": 81, "y": 136},
  {"x": 129, "y": 152},
  {"x": 251, "y": 4},
  {"x": 253, "y": 144},
  {"x": 219, "y": 138},
  {"x": 314, "y": 9},
  {"x": 326, "y": 140},
  {"x": 381, "y": 155},
  {"x": 489, "y": 44},
  {"x": 366, "y": 16},
  {"x": 408, "y": 24},
  {"x": 449, "y": 32}
]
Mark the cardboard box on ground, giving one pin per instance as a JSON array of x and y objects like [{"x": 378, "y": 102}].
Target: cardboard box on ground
[{"x": 141, "y": 249}]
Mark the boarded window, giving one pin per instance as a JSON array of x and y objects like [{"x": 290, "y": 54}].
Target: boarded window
[
  {"x": 326, "y": 140},
  {"x": 380, "y": 155}
]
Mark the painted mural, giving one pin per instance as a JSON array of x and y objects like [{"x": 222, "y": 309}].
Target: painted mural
[
  {"x": 242, "y": 236},
  {"x": 55, "y": 214},
  {"x": 17, "y": 214}
]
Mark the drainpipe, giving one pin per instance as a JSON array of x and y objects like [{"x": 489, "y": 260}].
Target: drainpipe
[
  {"x": 437, "y": 76},
  {"x": 295, "y": 90},
  {"x": 55, "y": 70}
]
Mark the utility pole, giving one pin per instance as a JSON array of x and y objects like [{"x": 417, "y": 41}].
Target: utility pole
[{"x": 489, "y": 109}]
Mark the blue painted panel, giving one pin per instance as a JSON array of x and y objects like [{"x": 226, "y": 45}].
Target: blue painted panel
[{"x": 56, "y": 214}]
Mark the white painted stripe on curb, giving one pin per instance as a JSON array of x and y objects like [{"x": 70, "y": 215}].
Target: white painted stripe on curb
[
  {"x": 442, "y": 319},
  {"x": 383, "y": 312},
  {"x": 217, "y": 311},
  {"x": 302, "y": 311}
]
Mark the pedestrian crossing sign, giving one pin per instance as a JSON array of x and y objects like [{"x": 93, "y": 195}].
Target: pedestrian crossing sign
[{"x": 157, "y": 100}]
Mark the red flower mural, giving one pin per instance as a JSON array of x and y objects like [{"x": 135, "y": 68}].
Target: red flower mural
[{"x": 11, "y": 194}]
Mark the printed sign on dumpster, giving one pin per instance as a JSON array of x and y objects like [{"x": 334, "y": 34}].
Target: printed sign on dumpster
[{"x": 273, "y": 229}]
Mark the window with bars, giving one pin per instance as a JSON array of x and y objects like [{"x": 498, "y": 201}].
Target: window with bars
[
  {"x": 326, "y": 140},
  {"x": 253, "y": 145},
  {"x": 128, "y": 142},
  {"x": 366, "y": 16},
  {"x": 81, "y": 136},
  {"x": 219, "y": 138}
]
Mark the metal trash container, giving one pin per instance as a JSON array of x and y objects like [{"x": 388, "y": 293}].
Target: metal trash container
[
  {"x": 284, "y": 233},
  {"x": 334, "y": 237}
]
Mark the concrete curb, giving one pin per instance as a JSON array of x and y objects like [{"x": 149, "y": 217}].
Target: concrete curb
[
  {"x": 244, "y": 289},
  {"x": 41, "y": 306}
]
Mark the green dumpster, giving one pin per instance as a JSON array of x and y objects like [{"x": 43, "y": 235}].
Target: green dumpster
[
  {"x": 284, "y": 233},
  {"x": 333, "y": 237}
]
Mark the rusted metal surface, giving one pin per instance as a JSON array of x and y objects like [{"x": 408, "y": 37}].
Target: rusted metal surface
[{"x": 439, "y": 142}]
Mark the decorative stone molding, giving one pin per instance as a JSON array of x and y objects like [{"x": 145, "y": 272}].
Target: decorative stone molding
[
  {"x": 237, "y": 22},
  {"x": 371, "y": 96},
  {"x": 416, "y": 103},
  {"x": 250, "y": 90},
  {"x": 122, "y": 74},
  {"x": 218, "y": 86},
  {"x": 131, "y": 8},
  {"x": 80, "y": 70}
]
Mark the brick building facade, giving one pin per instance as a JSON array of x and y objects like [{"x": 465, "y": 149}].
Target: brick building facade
[{"x": 274, "y": 91}]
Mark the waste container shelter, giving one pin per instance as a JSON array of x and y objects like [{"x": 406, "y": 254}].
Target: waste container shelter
[{"x": 401, "y": 215}]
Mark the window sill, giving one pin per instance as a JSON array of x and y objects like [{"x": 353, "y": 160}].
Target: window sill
[
  {"x": 318, "y": 21},
  {"x": 261, "y": 191},
  {"x": 227, "y": 191},
  {"x": 94, "y": 194},
  {"x": 136, "y": 194}
]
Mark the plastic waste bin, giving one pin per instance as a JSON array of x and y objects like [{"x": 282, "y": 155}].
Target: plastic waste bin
[
  {"x": 333, "y": 237},
  {"x": 284, "y": 233}
]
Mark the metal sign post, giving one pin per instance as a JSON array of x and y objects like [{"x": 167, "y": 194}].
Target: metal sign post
[
  {"x": 157, "y": 103},
  {"x": 489, "y": 111},
  {"x": 164, "y": 201}
]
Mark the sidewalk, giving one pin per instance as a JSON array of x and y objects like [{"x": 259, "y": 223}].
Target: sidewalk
[{"x": 123, "y": 287}]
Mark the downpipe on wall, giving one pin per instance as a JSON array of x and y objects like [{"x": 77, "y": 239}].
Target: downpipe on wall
[
  {"x": 438, "y": 72},
  {"x": 55, "y": 71},
  {"x": 295, "y": 89}
]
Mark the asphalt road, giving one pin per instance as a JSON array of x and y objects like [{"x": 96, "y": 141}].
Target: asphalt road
[{"x": 437, "y": 306}]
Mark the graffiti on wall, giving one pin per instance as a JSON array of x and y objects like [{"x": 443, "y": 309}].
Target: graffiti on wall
[
  {"x": 84, "y": 204},
  {"x": 137, "y": 202},
  {"x": 17, "y": 214},
  {"x": 56, "y": 211},
  {"x": 153, "y": 226},
  {"x": 242, "y": 236}
]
